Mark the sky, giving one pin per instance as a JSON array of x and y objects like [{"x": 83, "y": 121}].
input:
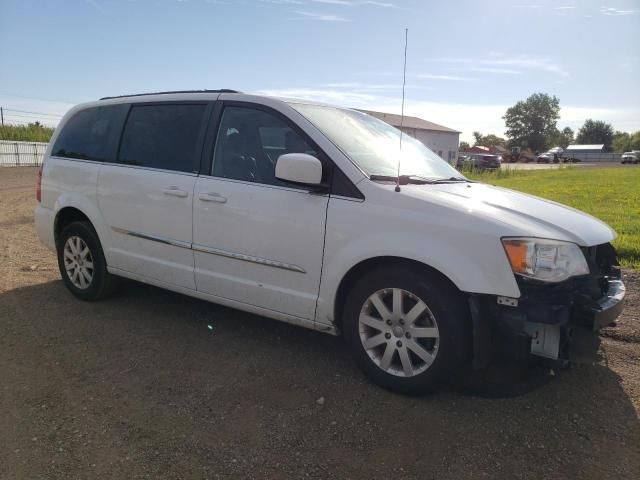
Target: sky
[{"x": 467, "y": 61}]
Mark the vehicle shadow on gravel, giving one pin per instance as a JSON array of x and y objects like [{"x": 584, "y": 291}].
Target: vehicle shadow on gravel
[{"x": 180, "y": 385}]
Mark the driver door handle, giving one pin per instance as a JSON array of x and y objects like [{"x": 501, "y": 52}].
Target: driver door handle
[
  {"x": 212, "y": 197},
  {"x": 174, "y": 191}
]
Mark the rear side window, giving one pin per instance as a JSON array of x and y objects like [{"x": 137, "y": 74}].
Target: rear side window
[
  {"x": 162, "y": 136},
  {"x": 91, "y": 134}
]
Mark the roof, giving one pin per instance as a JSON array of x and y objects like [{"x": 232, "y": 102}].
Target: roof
[
  {"x": 223, "y": 90},
  {"x": 478, "y": 149},
  {"x": 492, "y": 150},
  {"x": 409, "y": 122},
  {"x": 586, "y": 147}
]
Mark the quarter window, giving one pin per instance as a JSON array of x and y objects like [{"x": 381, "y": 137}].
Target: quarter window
[
  {"x": 249, "y": 143},
  {"x": 91, "y": 134},
  {"x": 162, "y": 136}
]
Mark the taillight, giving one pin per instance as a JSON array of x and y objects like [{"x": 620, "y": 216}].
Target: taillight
[{"x": 39, "y": 185}]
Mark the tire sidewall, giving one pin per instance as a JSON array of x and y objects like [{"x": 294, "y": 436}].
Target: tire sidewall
[
  {"x": 449, "y": 309},
  {"x": 90, "y": 238}
]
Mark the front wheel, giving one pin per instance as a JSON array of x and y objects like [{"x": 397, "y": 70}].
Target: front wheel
[{"x": 407, "y": 329}]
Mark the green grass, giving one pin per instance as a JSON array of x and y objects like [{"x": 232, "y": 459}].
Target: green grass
[
  {"x": 26, "y": 133},
  {"x": 611, "y": 194}
]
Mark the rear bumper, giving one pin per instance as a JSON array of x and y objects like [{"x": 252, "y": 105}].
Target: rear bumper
[{"x": 44, "y": 220}]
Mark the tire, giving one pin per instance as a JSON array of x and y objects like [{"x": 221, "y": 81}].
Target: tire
[
  {"x": 79, "y": 250},
  {"x": 446, "y": 310}
]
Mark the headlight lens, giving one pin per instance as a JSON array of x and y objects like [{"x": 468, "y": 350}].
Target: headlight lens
[{"x": 545, "y": 260}]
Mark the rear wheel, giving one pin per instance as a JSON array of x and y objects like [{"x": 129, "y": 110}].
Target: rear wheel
[
  {"x": 82, "y": 264},
  {"x": 407, "y": 329}
]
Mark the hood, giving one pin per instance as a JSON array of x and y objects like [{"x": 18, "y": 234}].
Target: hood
[{"x": 518, "y": 214}]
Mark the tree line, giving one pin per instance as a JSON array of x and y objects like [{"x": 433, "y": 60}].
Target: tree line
[
  {"x": 533, "y": 124},
  {"x": 33, "y": 132}
]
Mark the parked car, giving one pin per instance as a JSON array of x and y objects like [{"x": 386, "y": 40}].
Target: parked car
[
  {"x": 548, "y": 157},
  {"x": 631, "y": 157},
  {"x": 293, "y": 211},
  {"x": 479, "y": 161}
]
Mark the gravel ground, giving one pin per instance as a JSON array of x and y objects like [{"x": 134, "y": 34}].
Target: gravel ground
[{"x": 151, "y": 384}]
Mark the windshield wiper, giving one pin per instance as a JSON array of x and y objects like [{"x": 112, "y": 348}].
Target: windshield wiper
[
  {"x": 404, "y": 179},
  {"x": 452, "y": 180},
  {"x": 416, "y": 179}
]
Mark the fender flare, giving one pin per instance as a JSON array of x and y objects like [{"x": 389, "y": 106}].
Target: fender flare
[{"x": 87, "y": 207}]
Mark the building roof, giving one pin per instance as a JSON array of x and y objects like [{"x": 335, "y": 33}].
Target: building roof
[
  {"x": 598, "y": 148},
  {"x": 409, "y": 122},
  {"x": 492, "y": 150}
]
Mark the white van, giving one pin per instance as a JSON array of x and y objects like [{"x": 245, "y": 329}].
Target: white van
[{"x": 290, "y": 210}]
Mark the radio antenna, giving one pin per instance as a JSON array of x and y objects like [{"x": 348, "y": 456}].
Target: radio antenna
[{"x": 404, "y": 82}]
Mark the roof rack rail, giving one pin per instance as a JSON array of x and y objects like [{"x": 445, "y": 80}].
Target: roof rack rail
[{"x": 222, "y": 90}]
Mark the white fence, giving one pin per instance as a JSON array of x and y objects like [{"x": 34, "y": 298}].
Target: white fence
[{"x": 19, "y": 154}]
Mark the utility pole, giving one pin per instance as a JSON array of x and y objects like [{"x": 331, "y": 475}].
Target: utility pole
[{"x": 2, "y": 116}]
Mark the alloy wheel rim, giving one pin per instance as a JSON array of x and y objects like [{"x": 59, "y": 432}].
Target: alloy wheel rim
[
  {"x": 78, "y": 262},
  {"x": 399, "y": 332}
]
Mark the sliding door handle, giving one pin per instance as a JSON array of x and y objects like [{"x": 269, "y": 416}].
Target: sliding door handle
[
  {"x": 212, "y": 197},
  {"x": 174, "y": 191}
]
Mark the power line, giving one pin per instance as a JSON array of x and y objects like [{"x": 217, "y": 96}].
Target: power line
[
  {"x": 28, "y": 115},
  {"x": 24, "y": 118},
  {"x": 33, "y": 113}
]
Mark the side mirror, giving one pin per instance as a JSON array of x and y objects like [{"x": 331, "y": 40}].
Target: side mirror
[{"x": 300, "y": 169}]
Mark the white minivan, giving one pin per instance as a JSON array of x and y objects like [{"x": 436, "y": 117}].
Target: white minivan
[{"x": 294, "y": 211}]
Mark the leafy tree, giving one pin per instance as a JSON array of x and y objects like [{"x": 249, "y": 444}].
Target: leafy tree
[
  {"x": 596, "y": 132},
  {"x": 562, "y": 138},
  {"x": 464, "y": 146},
  {"x": 494, "y": 140},
  {"x": 625, "y": 142},
  {"x": 621, "y": 142},
  {"x": 530, "y": 123},
  {"x": 488, "y": 140}
]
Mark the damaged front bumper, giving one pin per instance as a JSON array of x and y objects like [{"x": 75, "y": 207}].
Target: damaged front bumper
[{"x": 552, "y": 321}]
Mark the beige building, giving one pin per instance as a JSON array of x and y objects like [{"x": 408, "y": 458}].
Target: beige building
[{"x": 442, "y": 140}]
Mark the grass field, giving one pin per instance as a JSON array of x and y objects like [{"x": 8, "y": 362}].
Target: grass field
[{"x": 611, "y": 194}]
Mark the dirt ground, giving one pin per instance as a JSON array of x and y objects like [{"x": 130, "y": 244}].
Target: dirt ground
[{"x": 151, "y": 384}]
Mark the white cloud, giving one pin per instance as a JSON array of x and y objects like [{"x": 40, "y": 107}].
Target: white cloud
[
  {"x": 616, "y": 12},
  {"x": 498, "y": 70},
  {"x": 338, "y": 97},
  {"x": 362, "y": 86},
  {"x": 565, "y": 7},
  {"x": 352, "y": 3},
  {"x": 333, "y": 2},
  {"x": 283, "y": 2},
  {"x": 338, "y": 3},
  {"x": 432, "y": 76},
  {"x": 515, "y": 62},
  {"x": 378, "y": 4},
  {"x": 324, "y": 17},
  {"x": 97, "y": 6}
]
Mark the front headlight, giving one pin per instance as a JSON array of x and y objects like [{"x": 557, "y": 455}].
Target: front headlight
[{"x": 545, "y": 260}]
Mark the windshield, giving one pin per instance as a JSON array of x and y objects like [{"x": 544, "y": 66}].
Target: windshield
[{"x": 374, "y": 145}]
